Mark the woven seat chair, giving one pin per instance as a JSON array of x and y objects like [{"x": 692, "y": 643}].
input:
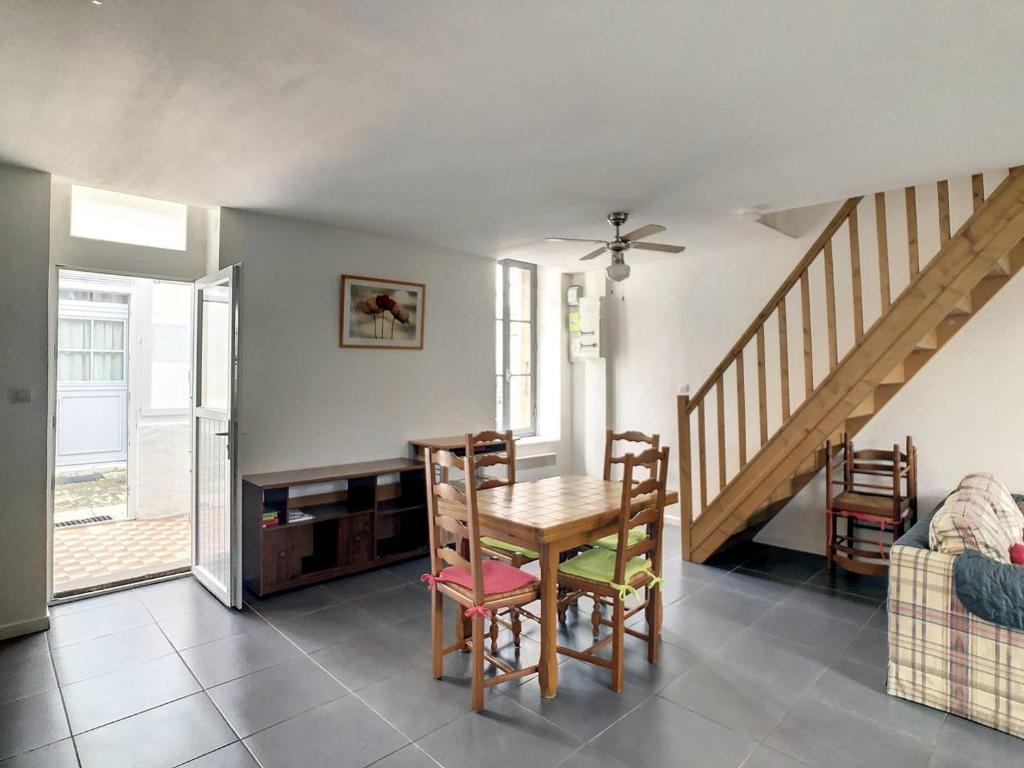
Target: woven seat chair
[
  {"x": 610, "y": 575},
  {"x": 480, "y": 587}
]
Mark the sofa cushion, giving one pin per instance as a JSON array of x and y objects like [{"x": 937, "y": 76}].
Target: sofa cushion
[
  {"x": 968, "y": 520},
  {"x": 994, "y": 591},
  {"x": 1007, "y": 511}
]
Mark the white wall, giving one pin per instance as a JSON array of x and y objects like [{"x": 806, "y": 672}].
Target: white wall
[
  {"x": 590, "y": 386},
  {"x": 304, "y": 402},
  {"x": 669, "y": 324},
  {"x": 24, "y": 235},
  {"x": 673, "y": 320}
]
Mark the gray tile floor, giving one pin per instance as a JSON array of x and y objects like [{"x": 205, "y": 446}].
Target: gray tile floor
[{"x": 762, "y": 667}]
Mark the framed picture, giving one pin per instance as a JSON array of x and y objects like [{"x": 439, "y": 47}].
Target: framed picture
[{"x": 381, "y": 314}]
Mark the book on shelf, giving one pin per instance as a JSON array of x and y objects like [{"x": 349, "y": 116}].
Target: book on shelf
[{"x": 298, "y": 515}]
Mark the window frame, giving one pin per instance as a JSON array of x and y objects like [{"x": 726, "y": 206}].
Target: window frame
[
  {"x": 92, "y": 350},
  {"x": 506, "y": 323}
]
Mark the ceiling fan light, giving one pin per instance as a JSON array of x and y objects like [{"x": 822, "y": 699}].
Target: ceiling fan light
[{"x": 618, "y": 271}]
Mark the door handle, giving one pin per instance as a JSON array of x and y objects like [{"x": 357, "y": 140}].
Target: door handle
[{"x": 220, "y": 434}]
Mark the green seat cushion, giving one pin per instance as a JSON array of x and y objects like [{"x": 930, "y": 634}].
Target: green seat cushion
[
  {"x": 514, "y": 549},
  {"x": 599, "y": 565},
  {"x": 611, "y": 541}
]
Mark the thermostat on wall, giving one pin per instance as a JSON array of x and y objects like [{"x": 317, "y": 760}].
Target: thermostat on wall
[{"x": 572, "y": 295}]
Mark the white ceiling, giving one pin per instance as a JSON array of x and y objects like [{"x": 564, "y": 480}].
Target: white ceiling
[{"x": 485, "y": 125}]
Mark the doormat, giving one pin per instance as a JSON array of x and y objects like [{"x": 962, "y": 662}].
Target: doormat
[
  {"x": 84, "y": 521},
  {"x": 87, "y": 477}
]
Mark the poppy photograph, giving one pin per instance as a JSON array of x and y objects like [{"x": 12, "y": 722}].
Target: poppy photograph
[{"x": 378, "y": 313}]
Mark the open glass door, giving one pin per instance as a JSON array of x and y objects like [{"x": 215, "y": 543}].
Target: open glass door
[{"x": 216, "y": 523}]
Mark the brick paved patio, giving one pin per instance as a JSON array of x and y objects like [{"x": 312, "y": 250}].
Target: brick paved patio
[{"x": 92, "y": 555}]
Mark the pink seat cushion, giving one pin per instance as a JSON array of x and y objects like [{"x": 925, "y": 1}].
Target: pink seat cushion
[{"x": 498, "y": 577}]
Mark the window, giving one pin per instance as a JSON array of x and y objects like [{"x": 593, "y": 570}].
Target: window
[
  {"x": 516, "y": 346},
  {"x": 101, "y": 215},
  {"x": 99, "y": 296},
  {"x": 90, "y": 350}
]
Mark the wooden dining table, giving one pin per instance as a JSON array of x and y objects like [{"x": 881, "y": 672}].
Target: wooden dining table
[{"x": 551, "y": 516}]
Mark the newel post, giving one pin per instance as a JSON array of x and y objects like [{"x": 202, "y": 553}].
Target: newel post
[{"x": 685, "y": 481}]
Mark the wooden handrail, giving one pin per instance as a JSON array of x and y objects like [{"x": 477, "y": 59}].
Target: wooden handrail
[{"x": 830, "y": 229}]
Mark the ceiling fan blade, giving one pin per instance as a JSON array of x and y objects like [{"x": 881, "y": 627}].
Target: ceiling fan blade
[
  {"x": 660, "y": 247},
  {"x": 571, "y": 240},
  {"x": 642, "y": 232},
  {"x": 594, "y": 254}
]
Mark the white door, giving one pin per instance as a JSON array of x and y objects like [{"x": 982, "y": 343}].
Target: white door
[
  {"x": 92, "y": 383},
  {"x": 216, "y": 518}
]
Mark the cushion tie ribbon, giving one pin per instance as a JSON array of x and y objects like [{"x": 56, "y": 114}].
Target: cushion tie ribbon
[
  {"x": 627, "y": 589},
  {"x": 477, "y": 610},
  {"x": 624, "y": 590}
]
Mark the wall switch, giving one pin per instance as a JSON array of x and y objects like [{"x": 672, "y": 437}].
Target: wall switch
[{"x": 21, "y": 395}]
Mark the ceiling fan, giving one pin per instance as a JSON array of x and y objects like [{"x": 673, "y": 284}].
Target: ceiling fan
[{"x": 619, "y": 269}]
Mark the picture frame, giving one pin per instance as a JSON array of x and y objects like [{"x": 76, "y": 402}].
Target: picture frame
[{"x": 380, "y": 313}]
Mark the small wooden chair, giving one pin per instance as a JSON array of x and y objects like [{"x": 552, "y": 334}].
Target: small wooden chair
[
  {"x": 609, "y": 575},
  {"x": 629, "y": 436},
  {"x": 611, "y": 541},
  {"x": 505, "y": 551},
  {"x": 479, "y": 586},
  {"x": 877, "y": 491}
]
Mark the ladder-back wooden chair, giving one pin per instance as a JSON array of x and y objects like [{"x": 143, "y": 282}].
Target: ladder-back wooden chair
[
  {"x": 875, "y": 493},
  {"x": 610, "y": 575},
  {"x": 478, "y": 586},
  {"x": 505, "y": 551},
  {"x": 629, "y": 436},
  {"x": 611, "y": 459},
  {"x": 611, "y": 541}
]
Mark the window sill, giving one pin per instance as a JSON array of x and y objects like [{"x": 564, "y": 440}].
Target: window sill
[{"x": 539, "y": 440}]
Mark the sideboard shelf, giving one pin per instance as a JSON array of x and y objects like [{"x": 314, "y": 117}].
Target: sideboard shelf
[{"x": 378, "y": 518}]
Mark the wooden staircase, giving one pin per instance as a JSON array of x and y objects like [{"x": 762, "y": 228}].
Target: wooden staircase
[{"x": 741, "y": 493}]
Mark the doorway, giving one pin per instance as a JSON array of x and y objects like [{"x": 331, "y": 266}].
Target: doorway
[{"x": 122, "y": 485}]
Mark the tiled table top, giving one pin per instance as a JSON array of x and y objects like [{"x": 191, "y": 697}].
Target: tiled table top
[{"x": 545, "y": 510}]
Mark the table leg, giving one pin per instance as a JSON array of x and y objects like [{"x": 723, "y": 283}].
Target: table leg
[{"x": 548, "y": 672}]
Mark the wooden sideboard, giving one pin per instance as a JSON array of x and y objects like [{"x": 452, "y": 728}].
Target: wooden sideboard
[
  {"x": 455, "y": 443},
  {"x": 379, "y": 518}
]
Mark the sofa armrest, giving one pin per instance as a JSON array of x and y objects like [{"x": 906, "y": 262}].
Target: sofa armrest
[
  {"x": 990, "y": 589},
  {"x": 920, "y": 577}
]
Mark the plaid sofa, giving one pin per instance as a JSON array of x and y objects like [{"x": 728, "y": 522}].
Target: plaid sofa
[{"x": 941, "y": 654}]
